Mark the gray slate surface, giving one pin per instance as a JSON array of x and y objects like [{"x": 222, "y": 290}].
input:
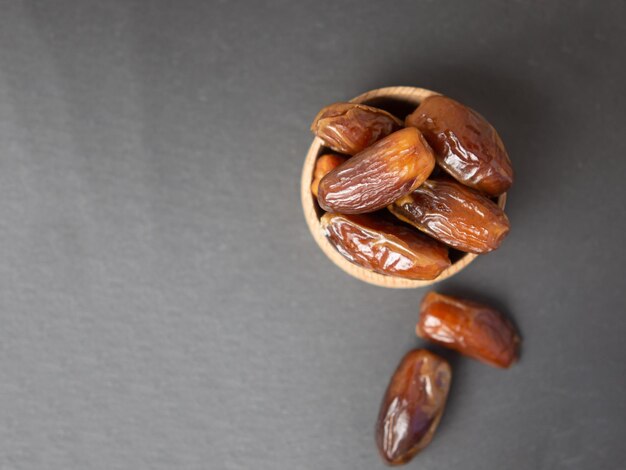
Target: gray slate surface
[{"x": 162, "y": 304}]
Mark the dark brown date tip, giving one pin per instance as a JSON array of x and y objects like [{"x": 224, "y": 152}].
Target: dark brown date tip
[
  {"x": 412, "y": 406},
  {"x": 471, "y": 328},
  {"x": 324, "y": 165}
]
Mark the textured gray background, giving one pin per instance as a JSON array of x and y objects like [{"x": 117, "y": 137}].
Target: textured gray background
[{"x": 162, "y": 304}]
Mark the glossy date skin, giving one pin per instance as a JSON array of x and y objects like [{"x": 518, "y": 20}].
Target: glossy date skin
[
  {"x": 377, "y": 176},
  {"x": 324, "y": 165},
  {"x": 455, "y": 215},
  {"x": 385, "y": 247},
  {"x": 471, "y": 328},
  {"x": 467, "y": 146},
  {"x": 412, "y": 406},
  {"x": 350, "y": 127}
]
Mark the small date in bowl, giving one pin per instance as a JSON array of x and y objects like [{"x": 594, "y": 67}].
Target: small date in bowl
[{"x": 399, "y": 101}]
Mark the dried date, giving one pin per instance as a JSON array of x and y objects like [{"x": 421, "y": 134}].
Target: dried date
[
  {"x": 385, "y": 247},
  {"x": 377, "y": 176},
  {"x": 412, "y": 406},
  {"x": 473, "y": 329},
  {"x": 455, "y": 215},
  {"x": 467, "y": 146},
  {"x": 324, "y": 165},
  {"x": 350, "y": 127}
]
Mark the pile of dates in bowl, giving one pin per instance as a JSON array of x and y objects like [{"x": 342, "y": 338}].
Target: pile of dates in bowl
[{"x": 408, "y": 197}]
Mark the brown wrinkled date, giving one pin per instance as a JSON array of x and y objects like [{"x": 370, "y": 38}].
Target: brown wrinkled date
[
  {"x": 467, "y": 146},
  {"x": 455, "y": 215},
  {"x": 412, "y": 406},
  {"x": 473, "y": 329},
  {"x": 324, "y": 165},
  {"x": 350, "y": 127},
  {"x": 377, "y": 176},
  {"x": 384, "y": 247}
]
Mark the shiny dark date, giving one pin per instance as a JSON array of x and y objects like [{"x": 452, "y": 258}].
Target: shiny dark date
[
  {"x": 377, "y": 176},
  {"x": 385, "y": 247},
  {"x": 467, "y": 146},
  {"x": 473, "y": 329},
  {"x": 455, "y": 215},
  {"x": 412, "y": 406},
  {"x": 350, "y": 127}
]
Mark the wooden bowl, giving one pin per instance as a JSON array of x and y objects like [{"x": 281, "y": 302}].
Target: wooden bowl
[{"x": 400, "y": 101}]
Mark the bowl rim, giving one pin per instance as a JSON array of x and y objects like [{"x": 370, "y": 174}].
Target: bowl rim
[{"x": 413, "y": 95}]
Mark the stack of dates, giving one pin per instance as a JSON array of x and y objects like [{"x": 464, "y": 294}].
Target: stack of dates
[
  {"x": 438, "y": 172},
  {"x": 400, "y": 199}
]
